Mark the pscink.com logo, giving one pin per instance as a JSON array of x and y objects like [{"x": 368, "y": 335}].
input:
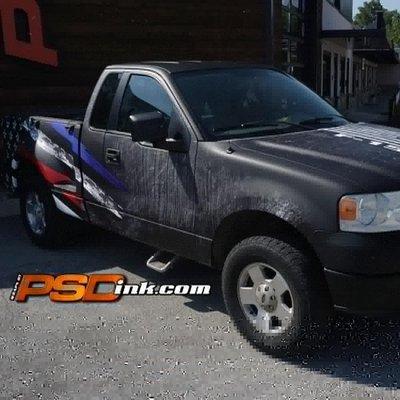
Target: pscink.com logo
[{"x": 96, "y": 288}]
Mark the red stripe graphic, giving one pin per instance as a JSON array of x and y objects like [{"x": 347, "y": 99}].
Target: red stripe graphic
[
  {"x": 77, "y": 201},
  {"x": 51, "y": 175}
]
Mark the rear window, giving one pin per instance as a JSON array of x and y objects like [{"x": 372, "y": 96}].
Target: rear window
[{"x": 104, "y": 101}]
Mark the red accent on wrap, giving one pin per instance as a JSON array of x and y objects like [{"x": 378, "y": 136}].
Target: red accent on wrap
[
  {"x": 49, "y": 174},
  {"x": 77, "y": 201}
]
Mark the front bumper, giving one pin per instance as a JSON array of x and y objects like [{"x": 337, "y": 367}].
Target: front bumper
[
  {"x": 364, "y": 294},
  {"x": 362, "y": 270}
]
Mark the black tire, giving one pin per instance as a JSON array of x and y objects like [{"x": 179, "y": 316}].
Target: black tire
[
  {"x": 310, "y": 301},
  {"x": 56, "y": 227}
]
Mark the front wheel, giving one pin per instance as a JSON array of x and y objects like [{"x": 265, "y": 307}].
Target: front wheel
[{"x": 275, "y": 295}]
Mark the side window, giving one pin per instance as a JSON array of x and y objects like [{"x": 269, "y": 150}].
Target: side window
[
  {"x": 143, "y": 94},
  {"x": 105, "y": 97}
]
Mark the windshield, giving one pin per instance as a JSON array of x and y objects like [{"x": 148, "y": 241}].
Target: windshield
[{"x": 245, "y": 102}]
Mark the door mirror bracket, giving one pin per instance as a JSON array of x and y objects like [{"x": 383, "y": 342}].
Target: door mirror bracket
[{"x": 176, "y": 145}]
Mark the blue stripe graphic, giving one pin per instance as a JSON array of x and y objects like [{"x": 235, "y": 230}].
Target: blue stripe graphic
[{"x": 87, "y": 157}]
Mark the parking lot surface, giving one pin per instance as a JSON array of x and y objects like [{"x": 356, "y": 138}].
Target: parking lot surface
[{"x": 158, "y": 347}]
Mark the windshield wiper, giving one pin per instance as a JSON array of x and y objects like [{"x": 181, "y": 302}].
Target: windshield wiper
[
  {"x": 244, "y": 126},
  {"x": 319, "y": 120},
  {"x": 298, "y": 125},
  {"x": 259, "y": 124}
]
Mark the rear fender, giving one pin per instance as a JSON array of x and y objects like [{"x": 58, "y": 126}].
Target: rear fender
[{"x": 49, "y": 150}]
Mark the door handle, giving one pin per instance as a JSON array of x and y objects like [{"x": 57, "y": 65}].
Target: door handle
[{"x": 113, "y": 156}]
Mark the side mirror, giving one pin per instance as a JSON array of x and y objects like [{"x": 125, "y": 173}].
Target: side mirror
[{"x": 148, "y": 127}]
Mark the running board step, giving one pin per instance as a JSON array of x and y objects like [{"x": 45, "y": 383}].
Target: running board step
[{"x": 162, "y": 261}]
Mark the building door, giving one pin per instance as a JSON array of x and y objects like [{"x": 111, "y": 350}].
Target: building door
[
  {"x": 326, "y": 74},
  {"x": 355, "y": 78},
  {"x": 342, "y": 75},
  {"x": 336, "y": 79},
  {"x": 348, "y": 83}
]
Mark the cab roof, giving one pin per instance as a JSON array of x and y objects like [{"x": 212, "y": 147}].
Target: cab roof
[{"x": 184, "y": 66}]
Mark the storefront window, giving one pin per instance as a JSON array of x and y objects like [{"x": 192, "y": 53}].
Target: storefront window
[
  {"x": 293, "y": 34},
  {"x": 297, "y": 4},
  {"x": 294, "y": 52},
  {"x": 285, "y": 20},
  {"x": 285, "y": 51},
  {"x": 296, "y": 25}
]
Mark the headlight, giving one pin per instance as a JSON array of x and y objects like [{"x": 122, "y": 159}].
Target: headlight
[{"x": 370, "y": 212}]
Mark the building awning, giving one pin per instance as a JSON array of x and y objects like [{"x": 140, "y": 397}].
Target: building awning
[
  {"x": 378, "y": 56},
  {"x": 371, "y": 44},
  {"x": 354, "y": 33}
]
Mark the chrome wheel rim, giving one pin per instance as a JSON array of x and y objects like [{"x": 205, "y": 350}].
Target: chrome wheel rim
[
  {"x": 35, "y": 213},
  {"x": 265, "y": 298}
]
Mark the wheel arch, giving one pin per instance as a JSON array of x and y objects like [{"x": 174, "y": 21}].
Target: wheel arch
[
  {"x": 244, "y": 224},
  {"x": 28, "y": 172}
]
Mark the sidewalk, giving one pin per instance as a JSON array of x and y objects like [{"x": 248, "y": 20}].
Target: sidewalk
[{"x": 377, "y": 113}]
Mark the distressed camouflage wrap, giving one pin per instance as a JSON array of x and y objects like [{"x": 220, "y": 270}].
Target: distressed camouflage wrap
[{"x": 11, "y": 132}]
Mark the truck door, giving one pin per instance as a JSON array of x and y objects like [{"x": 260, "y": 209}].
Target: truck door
[
  {"x": 95, "y": 173},
  {"x": 158, "y": 192}
]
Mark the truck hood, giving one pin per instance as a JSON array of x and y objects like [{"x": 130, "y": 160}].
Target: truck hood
[{"x": 366, "y": 154}]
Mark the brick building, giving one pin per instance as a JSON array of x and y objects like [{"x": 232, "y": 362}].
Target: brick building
[
  {"x": 87, "y": 35},
  {"x": 51, "y": 52}
]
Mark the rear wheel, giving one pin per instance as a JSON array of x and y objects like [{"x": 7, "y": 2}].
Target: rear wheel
[
  {"x": 35, "y": 214},
  {"x": 45, "y": 225},
  {"x": 275, "y": 295}
]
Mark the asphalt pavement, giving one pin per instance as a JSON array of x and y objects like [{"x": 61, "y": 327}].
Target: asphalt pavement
[{"x": 163, "y": 347}]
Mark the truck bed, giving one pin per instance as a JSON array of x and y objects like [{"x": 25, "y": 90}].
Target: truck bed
[{"x": 12, "y": 131}]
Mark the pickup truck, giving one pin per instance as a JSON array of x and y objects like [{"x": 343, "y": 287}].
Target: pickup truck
[{"x": 239, "y": 167}]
